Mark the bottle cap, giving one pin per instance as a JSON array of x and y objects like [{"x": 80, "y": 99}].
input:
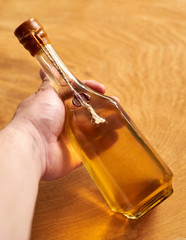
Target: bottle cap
[{"x": 32, "y": 35}]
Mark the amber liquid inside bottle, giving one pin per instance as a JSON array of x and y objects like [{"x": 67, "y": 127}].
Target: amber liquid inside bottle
[{"x": 129, "y": 174}]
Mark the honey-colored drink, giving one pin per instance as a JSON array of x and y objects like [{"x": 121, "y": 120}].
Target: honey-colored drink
[{"x": 130, "y": 175}]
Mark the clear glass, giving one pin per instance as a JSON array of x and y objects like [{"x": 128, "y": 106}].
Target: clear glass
[{"x": 131, "y": 176}]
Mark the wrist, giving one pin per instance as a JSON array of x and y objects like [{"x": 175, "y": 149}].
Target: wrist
[{"x": 24, "y": 136}]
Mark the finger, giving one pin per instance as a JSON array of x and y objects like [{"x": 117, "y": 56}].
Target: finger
[
  {"x": 42, "y": 74},
  {"x": 95, "y": 147},
  {"x": 45, "y": 81},
  {"x": 53, "y": 72},
  {"x": 98, "y": 87},
  {"x": 94, "y": 85},
  {"x": 81, "y": 122},
  {"x": 106, "y": 141},
  {"x": 116, "y": 98},
  {"x": 45, "y": 85}
]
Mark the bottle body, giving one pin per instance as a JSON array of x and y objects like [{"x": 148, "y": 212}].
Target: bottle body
[{"x": 130, "y": 175}]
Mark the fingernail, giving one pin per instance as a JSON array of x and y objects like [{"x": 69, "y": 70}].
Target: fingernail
[{"x": 42, "y": 74}]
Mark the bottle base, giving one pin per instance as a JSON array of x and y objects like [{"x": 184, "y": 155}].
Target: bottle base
[{"x": 149, "y": 205}]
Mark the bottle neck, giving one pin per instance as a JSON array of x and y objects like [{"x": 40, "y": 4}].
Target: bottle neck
[
  {"x": 64, "y": 82},
  {"x": 57, "y": 62},
  {"x": 53, "y": 66},
  {"x": 61, "y": 78}
]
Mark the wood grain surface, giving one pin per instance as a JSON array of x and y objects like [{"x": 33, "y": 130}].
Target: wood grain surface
[{"x": 137, "y": 48}]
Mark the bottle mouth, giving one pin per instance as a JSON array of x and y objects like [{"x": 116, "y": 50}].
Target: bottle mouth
[{"x": 32, "y": 35}]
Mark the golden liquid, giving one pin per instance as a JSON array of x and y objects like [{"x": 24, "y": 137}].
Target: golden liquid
[
  {"x": 129, "y": 174},
  {"x": 126, "y": 170}
]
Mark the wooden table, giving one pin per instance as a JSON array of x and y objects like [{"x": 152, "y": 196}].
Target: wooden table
[{"x": 137, "y": 49}]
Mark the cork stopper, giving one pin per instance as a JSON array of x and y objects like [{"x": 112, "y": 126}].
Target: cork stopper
[{"x": 32, "y": 35}]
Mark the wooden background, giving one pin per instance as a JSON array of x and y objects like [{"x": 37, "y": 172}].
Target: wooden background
[{"x": 137, "y": 49}]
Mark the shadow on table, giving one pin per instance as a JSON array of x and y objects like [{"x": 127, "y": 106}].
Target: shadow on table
[
  {"x": 73, "y": 208},
  {"x": 121, "y": 228}
]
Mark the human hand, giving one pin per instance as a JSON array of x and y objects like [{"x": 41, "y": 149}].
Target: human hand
[{"x": 43, "y": 114}]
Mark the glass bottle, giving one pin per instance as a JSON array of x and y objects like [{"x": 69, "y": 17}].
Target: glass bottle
[{"x": 129, "y": 173}]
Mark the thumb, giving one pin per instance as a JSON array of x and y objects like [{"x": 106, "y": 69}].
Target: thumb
[
  {"x": 45, "y": 81},
  {"x": 42, "y": 74}
]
